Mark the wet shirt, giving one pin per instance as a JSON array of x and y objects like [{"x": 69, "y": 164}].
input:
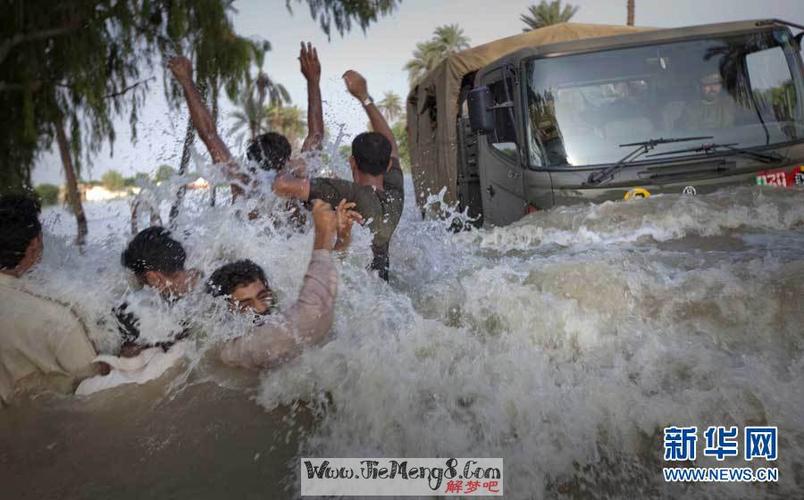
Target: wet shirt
[
  {"x": 308, "y": 320},
  {"x": 42, "y": 342},
  {"x": 382, "y": 209},
  {"x": 720, "y": 113}
]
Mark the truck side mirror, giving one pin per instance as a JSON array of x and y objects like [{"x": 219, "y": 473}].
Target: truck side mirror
[{"x": 481, "y": 102}]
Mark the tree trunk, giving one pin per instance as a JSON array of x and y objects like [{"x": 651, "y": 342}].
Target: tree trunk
[
  {"x": 73, "y": 196},
  {"x": 262, "y": 85},
  {"x": 213, "y": 190},
  {"x": 189, "y": 137},
  {"x": 630, "y": 21}
]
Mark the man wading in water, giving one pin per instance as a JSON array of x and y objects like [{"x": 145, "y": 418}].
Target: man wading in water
[
  {"x": 42, "y": 342},
  {"x": 157, "y": 261},
  {"x": 378, "y": 188},
  {"x": 270, "y": 151}
]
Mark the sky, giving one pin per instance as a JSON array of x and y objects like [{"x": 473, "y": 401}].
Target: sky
[{"x": 379, "y": 54}]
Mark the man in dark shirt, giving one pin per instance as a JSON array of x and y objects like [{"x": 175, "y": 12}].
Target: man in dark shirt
[{"x": 378, "y": 187}]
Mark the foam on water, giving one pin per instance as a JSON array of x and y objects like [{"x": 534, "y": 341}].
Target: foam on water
[{"x": 563, "y": 343}]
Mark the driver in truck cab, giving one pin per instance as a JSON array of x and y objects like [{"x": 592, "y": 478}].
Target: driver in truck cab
[{"x": 714, "y": 109}]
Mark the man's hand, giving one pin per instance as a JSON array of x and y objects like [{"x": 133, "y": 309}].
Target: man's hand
[
  {"x": 346, "y": 217},
  {"x": 356, "y": 85},
  {"x": 310, "y": 66},
  {"x": 181, "y": 67},
  {"x": 325, "y": 222}
]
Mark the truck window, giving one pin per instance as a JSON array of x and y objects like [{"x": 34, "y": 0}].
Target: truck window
[
  {"x": 744, "y": 90},
  {"x": 772, "y": 84},
  {"x": 503, "y": 138}
]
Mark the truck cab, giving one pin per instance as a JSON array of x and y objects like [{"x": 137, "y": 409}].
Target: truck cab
[{"x": 683, "y": 110}]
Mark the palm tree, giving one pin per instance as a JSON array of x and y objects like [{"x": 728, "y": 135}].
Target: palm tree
[
  {"x": 450, "y": 39},
  {"x": 252, "y": 96},
  {"x": 446, "y": 40},
  {"x": 286, "y": 120},
  {"x": 425, "y": 58},
  {"x": 545, "y": 14},
  {"x": 390, "y": 106}
]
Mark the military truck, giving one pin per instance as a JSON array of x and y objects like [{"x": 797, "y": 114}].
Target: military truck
[{"x": 578, "y": 113}]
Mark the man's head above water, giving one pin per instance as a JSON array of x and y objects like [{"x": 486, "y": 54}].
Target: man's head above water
[
  {"x": 371, "y": 155},
  {"x": 20, "y": 234},
  {"x": 271, "y": 151},
  {"x": 244, "y": 285},
  {"x": 157, "y": 260}
]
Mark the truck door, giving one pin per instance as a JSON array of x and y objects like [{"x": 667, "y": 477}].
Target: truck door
[{"x": 499, "y": 157}]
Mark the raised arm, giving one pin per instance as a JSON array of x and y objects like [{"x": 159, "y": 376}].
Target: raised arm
[
  {"x": 307, "y": 321},
  {"x": 356, "y": 85},
  {"x": 182, "y": 70},
  {"x": 311, "y": 69}
]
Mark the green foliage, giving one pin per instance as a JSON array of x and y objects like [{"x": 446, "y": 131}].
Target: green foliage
[
  {"x": 342, "y": 13},
  {"x": 85, "y": 62},
  {"x": 138, "y": 179},
  {"x": 390, "y": 106},
  {"x": 113, "y": 180},
  {"x": 547, "y": 13},
  {"x": 446, "y": 40},
  {"x": 286, "y": 120},
  {"x": 163, "y": 173},
  {"x": 401, "y": 135},
  {"x": 48, "y": 194}
]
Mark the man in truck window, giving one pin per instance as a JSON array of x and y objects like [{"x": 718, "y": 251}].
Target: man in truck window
[
  {"x": 377, "y": 190},
  {"x": 715, "y": 109}
]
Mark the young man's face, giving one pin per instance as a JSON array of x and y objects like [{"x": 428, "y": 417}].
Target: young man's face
[{"x": 254, "y": 297}]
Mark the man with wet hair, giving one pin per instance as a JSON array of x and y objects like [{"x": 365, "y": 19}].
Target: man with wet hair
[
  {"x": 42, "y": 342},
  {"x": 306, "y": 322},
  {"x": 378, "y": 188},
  {"x": 244, "y": 285},
  {"x": 270, "y": 151},
  {"x": 157, "y": 260}
]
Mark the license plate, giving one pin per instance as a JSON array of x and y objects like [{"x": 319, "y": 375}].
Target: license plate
[{"x": 782, "y": 177}]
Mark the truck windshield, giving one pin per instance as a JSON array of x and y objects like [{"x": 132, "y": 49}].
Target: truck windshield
[{"x": 745, "y": 90}]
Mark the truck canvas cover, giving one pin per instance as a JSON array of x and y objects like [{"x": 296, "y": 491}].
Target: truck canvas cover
[{"x": 433, "y": 104}]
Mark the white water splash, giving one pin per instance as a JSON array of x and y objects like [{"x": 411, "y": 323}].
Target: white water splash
[{"x": 563, "y": 343}]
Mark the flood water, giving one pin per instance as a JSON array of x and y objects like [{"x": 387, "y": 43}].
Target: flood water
[{"x": 564, "y": 343}]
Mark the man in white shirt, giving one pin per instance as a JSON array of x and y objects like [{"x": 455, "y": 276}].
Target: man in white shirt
[{"x": 43, "y": 343}]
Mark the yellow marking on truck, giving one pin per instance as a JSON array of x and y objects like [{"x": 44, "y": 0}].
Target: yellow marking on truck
[{"x": 637, "y": 193}]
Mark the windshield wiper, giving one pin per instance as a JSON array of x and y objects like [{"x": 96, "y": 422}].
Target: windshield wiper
[
  {"x": 641, "y": 148},
  {"x": 712, "y": 148}
]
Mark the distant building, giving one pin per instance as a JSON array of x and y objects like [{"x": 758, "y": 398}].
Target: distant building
[
  {"x": 90, "y": 192},
  {"x": 199, "y": 183}
]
